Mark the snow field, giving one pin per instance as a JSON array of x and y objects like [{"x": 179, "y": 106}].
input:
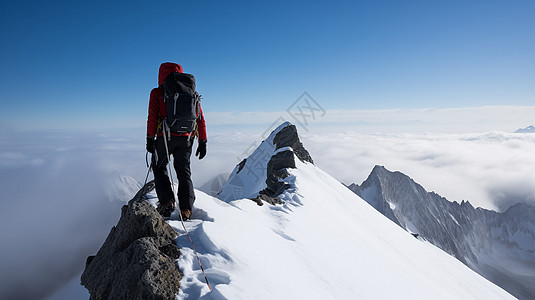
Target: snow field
[{"x": 323, "y": 243}]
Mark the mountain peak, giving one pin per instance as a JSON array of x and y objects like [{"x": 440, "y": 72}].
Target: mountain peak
[
  {"x": 378, "y": 168},
  {"x": 287, "y": 137},
  {"x": 475, "y": 236},
  {"x": 529, "y": 129},
  {"x": 262, "y": 174}
]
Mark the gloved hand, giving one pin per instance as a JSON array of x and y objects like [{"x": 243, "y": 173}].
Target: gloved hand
[
  {"x": 201, "y": 149},
  {"x": 150, "y": 144}
]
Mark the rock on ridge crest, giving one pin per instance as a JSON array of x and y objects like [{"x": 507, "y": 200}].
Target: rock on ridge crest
[
  {"x": 137, "y": 260},
  {"x": 277, "y": 165}
]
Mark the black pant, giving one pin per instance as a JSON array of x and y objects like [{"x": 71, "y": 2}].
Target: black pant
[{"x": 180, "y": 148}]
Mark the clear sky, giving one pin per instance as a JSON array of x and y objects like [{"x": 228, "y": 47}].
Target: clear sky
[{"x": 84, "y": 64}]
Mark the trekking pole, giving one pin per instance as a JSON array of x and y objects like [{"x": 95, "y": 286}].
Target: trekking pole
[
  {"x": 149, "y": 166},
  {"x": 179, "y": 213}
]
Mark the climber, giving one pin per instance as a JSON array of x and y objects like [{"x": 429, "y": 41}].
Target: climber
[{"x": 173, "y": 134}]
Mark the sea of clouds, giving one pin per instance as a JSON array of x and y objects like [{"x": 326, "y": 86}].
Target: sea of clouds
[
  {"x": 491, "y": 170},
  {"x": 57, "y": 209}
]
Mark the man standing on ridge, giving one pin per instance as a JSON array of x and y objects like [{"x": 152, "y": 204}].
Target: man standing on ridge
[{"x": 165, "y": 138}]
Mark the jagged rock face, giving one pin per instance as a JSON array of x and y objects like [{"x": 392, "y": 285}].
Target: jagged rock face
[
  {"x": 277, "y": 165},
  {"x": 288, "y": 137},
  {"x": 475, "y": 236},
  {"x": 276, "y": 170},
  {"x": 407, "y": 204},
  {"x": 137, "y": 260},
  {"x": 263, "y": 172}
]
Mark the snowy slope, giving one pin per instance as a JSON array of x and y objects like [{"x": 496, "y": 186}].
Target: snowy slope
[
  {"x": 249, "y": 177},
  {"x": 324, "y": 242}
]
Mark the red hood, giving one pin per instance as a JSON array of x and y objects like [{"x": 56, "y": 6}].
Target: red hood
[{"x": 167, "y": 68}]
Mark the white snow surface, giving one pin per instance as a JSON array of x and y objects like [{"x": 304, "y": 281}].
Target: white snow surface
[
  {"x": 324, "y": 242},
  {"x": 246, "y": 181},
  {"x": 121, "y": 188}
]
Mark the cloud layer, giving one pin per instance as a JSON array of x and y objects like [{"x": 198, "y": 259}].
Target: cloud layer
[
  {"x": 55, "y": 211},
  {"x": 491, "y": 170}
]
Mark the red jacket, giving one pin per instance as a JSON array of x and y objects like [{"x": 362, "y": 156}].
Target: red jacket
[{"x": 157, "y": 108}]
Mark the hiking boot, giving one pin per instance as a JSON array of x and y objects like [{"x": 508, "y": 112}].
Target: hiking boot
[
  {"x": 165, "y": 210},
  {"x": 186, "y": 214}
]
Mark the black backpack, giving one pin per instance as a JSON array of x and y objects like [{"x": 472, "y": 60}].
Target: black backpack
[{"x": 181, "y": 101}]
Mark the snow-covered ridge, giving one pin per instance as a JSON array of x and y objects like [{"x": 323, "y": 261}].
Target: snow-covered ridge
[
  {"x": 324, "y": 242},
  {"x": 500, "y": 246},
  {"x": 321, "y": 242}
]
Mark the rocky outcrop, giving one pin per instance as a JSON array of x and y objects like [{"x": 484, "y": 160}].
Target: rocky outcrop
[
  {"x": 276, "y": 170},
  {"x": 261, "y": 198},
  {"x": 288, "y": 137},
  {"x": 277, "y": 165},
  {"x": 137, "y": 260}
]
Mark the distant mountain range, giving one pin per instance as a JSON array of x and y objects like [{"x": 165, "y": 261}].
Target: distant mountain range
[
  {"x": 499, "y": 246},
  {"x": 529, "y": 129}
]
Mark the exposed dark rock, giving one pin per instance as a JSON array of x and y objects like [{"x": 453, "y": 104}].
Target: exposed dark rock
[
  {"x": 141, "y": 194},
  {"x": 241, "y": 165},
  {"x": 276, "y": 170},
  {"x": 277, "y": 165},
  {"x": 89, "y": 260},
  {"x": 288, "y": 137},
  {"x": 137, "y": 260},
  {"x": 260, "y": 199}
]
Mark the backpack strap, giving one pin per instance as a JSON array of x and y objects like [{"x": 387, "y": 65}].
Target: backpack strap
[
  {"x": 159, "y": 126},
  {"x": 195, "y": 132}
]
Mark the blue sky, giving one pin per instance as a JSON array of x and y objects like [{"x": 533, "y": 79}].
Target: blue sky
[{"x": 85, "y": 64}]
